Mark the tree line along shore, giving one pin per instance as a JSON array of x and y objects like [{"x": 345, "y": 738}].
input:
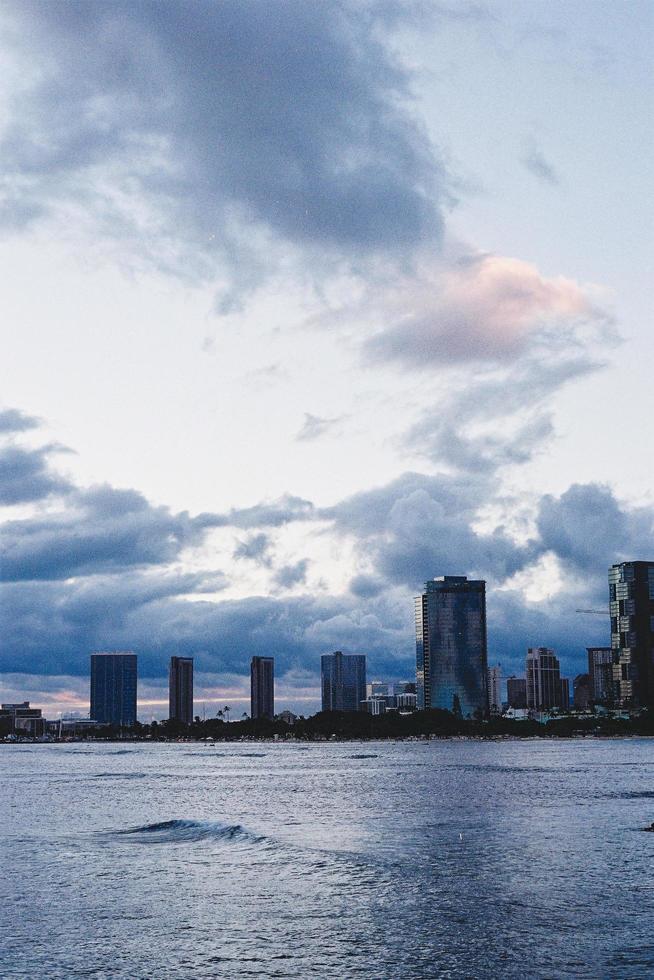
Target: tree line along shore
[{"x": 345, "y": 725}]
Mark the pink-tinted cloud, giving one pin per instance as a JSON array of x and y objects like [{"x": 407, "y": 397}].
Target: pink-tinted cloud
[{"x": 479, "y": 308}]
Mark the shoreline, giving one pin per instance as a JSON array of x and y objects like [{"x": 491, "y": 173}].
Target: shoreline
[{"x": 268, "y": 740}]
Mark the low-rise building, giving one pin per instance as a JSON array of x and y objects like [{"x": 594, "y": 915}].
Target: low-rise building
[
  {"x": 34, "y": 727},
  {"x": 20, "y": 718},
  {"x": 517, "y": 714},
  {"x": 374, "y": 706}
]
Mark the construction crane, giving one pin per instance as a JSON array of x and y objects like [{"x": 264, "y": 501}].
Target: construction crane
[{"x": 593, "y": 612}]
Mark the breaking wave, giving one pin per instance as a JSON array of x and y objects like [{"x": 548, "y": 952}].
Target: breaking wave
[{"x": 186, "y": 831}]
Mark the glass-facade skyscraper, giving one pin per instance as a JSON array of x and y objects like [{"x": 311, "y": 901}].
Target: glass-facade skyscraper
[
  {"x": 262, "y": 687},
  {"x": 180, "y": 690},
  {"x": 343, "y": 679},
  {"x": 113, "y": 688},
  {"x": 631, "y": 607},
  {"x": 545, "y": 686},
  {"x": 451, "y": 654}
]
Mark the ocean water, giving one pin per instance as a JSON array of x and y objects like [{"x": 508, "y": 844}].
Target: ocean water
[{"x": 379, "y": 860}]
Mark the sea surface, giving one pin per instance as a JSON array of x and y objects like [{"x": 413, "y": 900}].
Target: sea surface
[{"x": 380, "y": 860}]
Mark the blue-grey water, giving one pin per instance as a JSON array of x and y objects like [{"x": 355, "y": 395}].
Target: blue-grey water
[{"x": 409, "y": 860}]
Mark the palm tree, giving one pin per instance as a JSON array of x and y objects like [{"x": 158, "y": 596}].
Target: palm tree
[
  {"x": 219, "y": 714},
  {"x": 226, "y": 711},
  {"x": 244, "y": 716}
]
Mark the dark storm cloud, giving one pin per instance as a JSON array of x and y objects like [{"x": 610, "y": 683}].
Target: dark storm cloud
[
  {"x": 588, "y": 529},
  {"x": 99, "y": 530},
  {"x": 53, "y": 626},
  {"x": 412, "y": 529},
  {"x": 420, "y": 526},
  {"x": 97, "y": 574},
  {"x": 25, "y": 474},
  {"x": 289, "y": 116},
  {"x": 515, "y": 624},
  {"x": 13, "y": 420}
]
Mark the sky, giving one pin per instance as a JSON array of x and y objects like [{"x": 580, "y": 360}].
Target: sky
[{"x": 304, "y": 304}]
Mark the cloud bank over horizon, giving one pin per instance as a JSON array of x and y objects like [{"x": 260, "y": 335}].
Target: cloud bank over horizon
[{"x": 101, "y": 568}]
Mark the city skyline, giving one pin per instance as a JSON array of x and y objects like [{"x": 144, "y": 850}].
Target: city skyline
[
  {"x": 326, "y": 502},
  {"x": 273, "y": 359},
  {"x": 450, "y": 622}
]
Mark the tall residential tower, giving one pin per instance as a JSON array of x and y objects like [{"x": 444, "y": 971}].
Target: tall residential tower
[
  {"x": 180, "y": 690},
  {"x": 262, "y": 687},
  {"x": 631, "y": 607},
  {"x": 451, "y": 657}
]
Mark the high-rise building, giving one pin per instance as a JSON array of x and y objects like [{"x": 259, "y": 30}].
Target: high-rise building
[
  {"x": 631, "y": 607},
  {"x": 451, "y": 657},
  {"x": 516, "y": 692},
  {"x": 545, "y": 687},
  {"x": 113, "y": 688},
  {"x": 180, "y": 690},
  {"x": 600, "y": 671},
  {"x": 495, "y": 690},
  {"x": 581, "y": 696},
  {"x": 565, "y": 693},
  {"x": 343, "y": 679},
  {"x": 262, "y": 687}
]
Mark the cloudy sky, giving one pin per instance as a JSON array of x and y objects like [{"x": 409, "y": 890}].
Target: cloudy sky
[{"x": 303, "y": 304}]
